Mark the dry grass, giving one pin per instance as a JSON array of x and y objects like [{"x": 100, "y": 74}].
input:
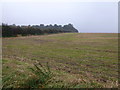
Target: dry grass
[{"x": 78, "y": 60}]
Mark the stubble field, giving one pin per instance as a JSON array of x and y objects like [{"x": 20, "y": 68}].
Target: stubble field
[{"x": 76, "y": 60}]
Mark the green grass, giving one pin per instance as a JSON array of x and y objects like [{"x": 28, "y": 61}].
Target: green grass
[{"x": 77, "y": 60}]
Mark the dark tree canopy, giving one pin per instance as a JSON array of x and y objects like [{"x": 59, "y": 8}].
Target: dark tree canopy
[{"x": 14, "y": 30}]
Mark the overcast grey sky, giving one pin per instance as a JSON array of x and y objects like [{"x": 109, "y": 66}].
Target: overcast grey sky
[{"x": 85, "y": 16}]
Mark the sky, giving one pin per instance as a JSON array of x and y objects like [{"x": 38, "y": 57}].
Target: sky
[{"x": 86, "y": 16}]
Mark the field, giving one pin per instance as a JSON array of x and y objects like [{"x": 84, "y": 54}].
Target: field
[{"x": 76, "y": 60}]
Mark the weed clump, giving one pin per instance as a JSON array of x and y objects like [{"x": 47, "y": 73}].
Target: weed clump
[{"x": 41, "y": 76}]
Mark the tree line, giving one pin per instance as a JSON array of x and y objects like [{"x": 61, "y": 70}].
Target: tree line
[{"x": 24, "y": 30}]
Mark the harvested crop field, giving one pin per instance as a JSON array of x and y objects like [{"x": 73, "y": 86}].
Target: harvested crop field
[{"x": 76, "y": 60}]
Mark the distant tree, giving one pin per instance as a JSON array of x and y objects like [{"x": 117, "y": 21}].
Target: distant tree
[
  {"x": 13, "y": 30},
  {"x": 41, "y": 25}
]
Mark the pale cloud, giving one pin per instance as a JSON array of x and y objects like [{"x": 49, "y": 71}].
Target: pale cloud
[{"x": 60, "y": 0}]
